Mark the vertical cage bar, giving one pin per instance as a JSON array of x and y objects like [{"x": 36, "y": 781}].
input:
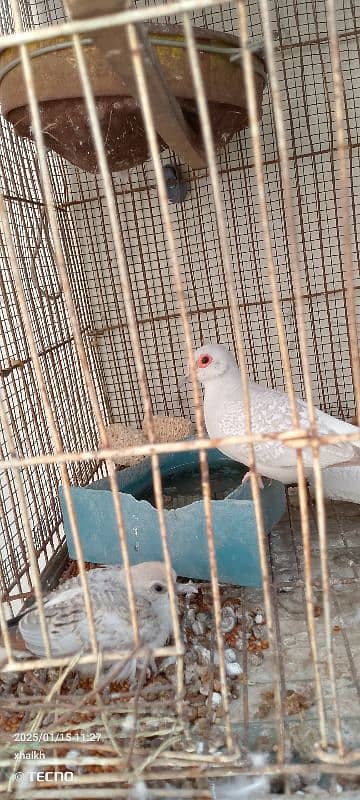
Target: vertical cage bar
[
  {"x": 235, "y": 315},
  {"x": 260, "y": 185},
  {"x": 46, "y": 184},
  {"x": 154, "y": 150},
  {"x": 344, "y": 181},
  {"x": 135, "y": 339},
  {"x": 299, "y": 304}
]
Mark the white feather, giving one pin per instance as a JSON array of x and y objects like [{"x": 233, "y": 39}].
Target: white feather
[{"x": 243, "y": 786}]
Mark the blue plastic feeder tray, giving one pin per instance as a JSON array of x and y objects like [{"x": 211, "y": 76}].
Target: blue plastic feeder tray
[{"x": 233, "y": 518}]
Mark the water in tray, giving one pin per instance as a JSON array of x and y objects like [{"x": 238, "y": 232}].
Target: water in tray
[{"x": 180, "y": 488}]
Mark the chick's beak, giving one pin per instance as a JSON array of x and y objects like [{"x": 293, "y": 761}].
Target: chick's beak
[{"x": 185, "y": 588}]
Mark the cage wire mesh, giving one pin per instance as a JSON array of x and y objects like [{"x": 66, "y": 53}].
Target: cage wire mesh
[{"x": 105, "y": 289}]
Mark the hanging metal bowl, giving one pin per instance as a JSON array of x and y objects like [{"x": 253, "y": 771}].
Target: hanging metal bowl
[{"x": 64, "y": 118}]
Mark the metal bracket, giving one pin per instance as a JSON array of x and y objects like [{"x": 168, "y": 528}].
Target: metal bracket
[{"x": 169, "y": 120}]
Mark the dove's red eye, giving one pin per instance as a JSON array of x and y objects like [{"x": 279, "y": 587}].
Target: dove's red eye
[{"x": 204, "y": 361}]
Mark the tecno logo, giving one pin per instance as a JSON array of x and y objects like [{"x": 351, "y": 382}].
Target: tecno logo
[{"x": 53, "y": 776}]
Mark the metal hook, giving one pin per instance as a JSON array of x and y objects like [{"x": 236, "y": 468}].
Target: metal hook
[{"x": 51, "y": 296}]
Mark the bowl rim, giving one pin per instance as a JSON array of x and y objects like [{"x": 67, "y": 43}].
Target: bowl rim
[{"x": 10, "y": 58}]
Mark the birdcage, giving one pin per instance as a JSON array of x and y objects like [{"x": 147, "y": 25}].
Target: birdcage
[{"x": 174, "y": 174}]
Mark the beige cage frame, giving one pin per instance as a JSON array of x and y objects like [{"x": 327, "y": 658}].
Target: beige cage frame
[{"x": 75, "y": 456}]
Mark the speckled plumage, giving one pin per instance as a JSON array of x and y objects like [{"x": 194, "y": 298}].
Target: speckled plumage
[
  {"x": 67, "y": 621},
  {"x": 270, "y": 412}
]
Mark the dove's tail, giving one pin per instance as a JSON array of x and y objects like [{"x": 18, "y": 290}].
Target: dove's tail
[{"x": 342, "y": 481}]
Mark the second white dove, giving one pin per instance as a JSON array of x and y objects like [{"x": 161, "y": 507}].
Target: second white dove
[{"x": 219, "y": 373}]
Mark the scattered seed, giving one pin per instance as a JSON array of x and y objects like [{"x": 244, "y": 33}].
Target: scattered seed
[
  {"x": 233, "y": 669},
  {"x": 216, "y": 699},
  {"x": 228, "y": 619}
]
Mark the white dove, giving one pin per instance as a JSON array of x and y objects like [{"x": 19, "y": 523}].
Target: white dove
[
  {"x": 217, "y": 370},
  {"x": 67, "y": 621}
]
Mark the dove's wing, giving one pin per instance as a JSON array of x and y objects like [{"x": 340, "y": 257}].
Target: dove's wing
[
  {"x": 63, "y": 613},
  {"x": 66, "y": 617},
  {"x": 270, "y": 411}
]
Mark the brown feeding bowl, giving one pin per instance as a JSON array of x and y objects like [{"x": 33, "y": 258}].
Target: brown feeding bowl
[{"x": 64, "y": 118}]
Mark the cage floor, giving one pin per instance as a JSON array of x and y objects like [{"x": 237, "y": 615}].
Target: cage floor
[
  {"x": 249, "y": 667},
  {"x": 252, "y": 708},
  {"x": 296, "y": 670}
]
